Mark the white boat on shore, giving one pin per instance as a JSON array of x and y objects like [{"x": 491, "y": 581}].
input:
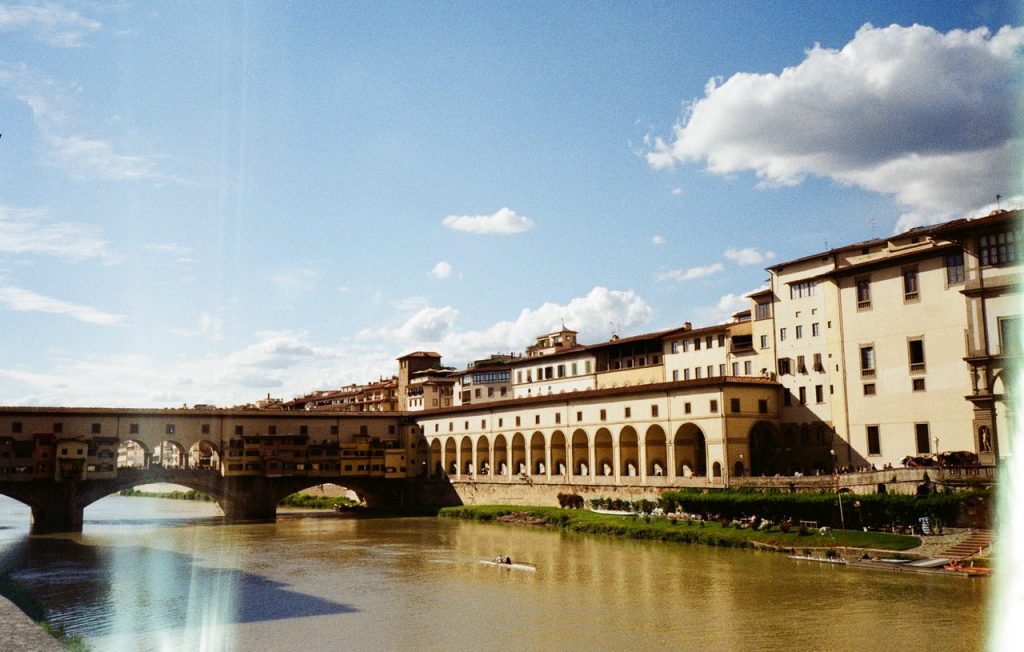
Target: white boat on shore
[
  {"x": 513, "y": 566},
  {"x": 824, "y": 560},
  {"x": 612, "y": 512}
]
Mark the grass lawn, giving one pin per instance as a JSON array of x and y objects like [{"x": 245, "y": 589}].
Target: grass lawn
[{"x": 661, "y": 529}]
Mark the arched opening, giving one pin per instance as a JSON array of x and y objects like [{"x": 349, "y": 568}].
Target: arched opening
[
  {"x": 203, "y": 456},
  {"x": 629, "y": 452},
  {"x": 518, "y": 453},
  {"x": 558, "y": 463},
  {"x": 169, "y": 455},
  {"x": 466, "y": 454},
  {"x": 501, "y": 455},
  {"x": 580, "y": 453},
  {"x": 422, "y": 456},
  {"x": 452, "y": 468},
  {"x": 537, "y": 454},
  {"x": 761, "y": 445},
  {"x": 603, "y": 453},
  {"x": 737, "y": 469},
  {"x": 690, "y": 449},
  {"x": 656, "y": 450},
  {"x": 483, "y": 457},
  {"x": 716, "y": 470},
  {"x": 435, "y": 458},
  {"x": 132, "y": 454}
]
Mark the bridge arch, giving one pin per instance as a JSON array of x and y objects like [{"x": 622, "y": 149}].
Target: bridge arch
[
  {"x": 203, "y": 454},
  {"x": 690, "y": 447}
]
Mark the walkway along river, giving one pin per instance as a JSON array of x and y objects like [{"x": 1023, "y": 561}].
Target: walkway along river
[{"x": 152, "y": 574}]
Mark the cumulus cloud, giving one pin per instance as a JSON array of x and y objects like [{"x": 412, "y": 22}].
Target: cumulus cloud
[
  {"x": 727, "y": 306},
  {"x": 425, "y": 325},
  {"x": 503, "y": 222},
  {"x": 22, "y": 300},
  {"x": 658, "y": 240},
  {"x": 691, "y": 274},
  {"x": 925, "y": 117},
  {"x": 25, "y": 231},
  {"x": 49, "y": 23},
  {"x": 442, "y": 270},
  {"x": 748, "y": 256}
]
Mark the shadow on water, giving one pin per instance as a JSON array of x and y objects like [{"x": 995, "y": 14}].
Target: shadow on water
[{"x": 83, "y": 590}]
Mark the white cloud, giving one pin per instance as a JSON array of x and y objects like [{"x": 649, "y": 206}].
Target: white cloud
[
  {"x": 426, "y": 325},
  {"x": 748, "y": 256},
  {"x": 21, "y": 300},
  {"x": 178, "y": 253},
  {"x": 290, "y": 279},
  {"x": 24, "y": 231},
  {"x": 442, "y": 270},
  {"x": 82, "y": 156},
  {"x": 208, "y": 326},
  {"x": 51, "y": 24},
  {"x": 727, "y": 306},
  {"x": 675, "y": 192},
  {"x": 503, "y": 222},
  {"x": 925, "y": 117},
  {"x": 658, "y": 240},
  {"x": 691, "y": 274}
]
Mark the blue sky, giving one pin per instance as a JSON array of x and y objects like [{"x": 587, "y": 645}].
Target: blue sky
[{"x": 210, "y": 202}]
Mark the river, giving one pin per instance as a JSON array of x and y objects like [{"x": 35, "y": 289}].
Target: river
[{"x": 153, "y": 574}]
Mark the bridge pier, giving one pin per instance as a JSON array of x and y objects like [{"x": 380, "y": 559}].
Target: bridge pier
[
  {"x": 57, "y": 507},
  {"x": 248, "y": 499}
]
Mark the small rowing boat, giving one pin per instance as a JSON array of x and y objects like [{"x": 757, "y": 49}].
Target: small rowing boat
[
  {"x": 824, "y": 560},
  {"x": 514, "y": 565}
]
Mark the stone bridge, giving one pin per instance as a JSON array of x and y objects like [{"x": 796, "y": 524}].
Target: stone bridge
[{"x": 58, "y": 506}]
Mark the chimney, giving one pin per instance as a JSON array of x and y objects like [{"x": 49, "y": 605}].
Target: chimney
[{"x": 687, "y": 326}]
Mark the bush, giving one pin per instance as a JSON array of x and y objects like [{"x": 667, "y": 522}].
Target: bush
[{"x": 570, "y": 501}]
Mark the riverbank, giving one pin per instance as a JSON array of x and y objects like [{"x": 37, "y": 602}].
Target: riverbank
[
  {"x": 700, "y": 532},
  {"x": 23, "y": 627}
]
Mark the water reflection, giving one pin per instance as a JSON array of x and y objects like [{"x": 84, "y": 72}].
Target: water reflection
[{"x": 338, "y": 583}]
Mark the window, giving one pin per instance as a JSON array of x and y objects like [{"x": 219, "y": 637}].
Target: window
[
  {"x": 16, "y": 427},
  {"x": 815, "y": 329},
  {"x": 238, "y": 430},
  {"x": 762, "y": 310},
  {"x": 536, "y": 420},
  {"x": 169, "y": 428},
  {"x": 799, "y": 332},
  {"x": 558, "y": 417},
  {"x": 586, "y": 366},
  {"x": 721, "y": 339},
  {"x": 817, "y": 363},
  {"x": 476, "y": 393},
  {"x": 803, "y": 289},
  {"x": 924, "y": 445},
  {"x": 869, "y": 389},
  {"x": 863, "y": 292},
  {"x": 955, "y": 268},
  {"x": 696, "y": 373},
  {"x": 748, "y": 368},
  {"x": 58, "y": 427},
  {"x": 764, "y": 341},
  {"x": 997, "y": 248},
  {"x": 711, "y": 371},
  {"x": 696, "y": 344},
  {"x": 561, "y": 371},
  {"x": 1009, "y": 334},
  {"x": 519, "y": 376},
  {"x": 503, "y": 391},
  {"x": 734, "y": 405},
  {"x": 762, "y": 406},
  {"x": 803, "y": 395},
  {"x": 133, "y": 428},
  {"x": 686, "y": 374},
  {"x": 800, "y": 366},
  {"x": 95, "y": 428},
  {"x": 735, "y": 369},
  {"x": 874, "y": 444},
  {"x": 867, "y": 361},
  {"x": 517, "y": 421},
  {"x": 916, "y": 354},
  {"x": 654, "y": 410},
  {"x": 910, "y": 284},
  {"x": 782, "y": 334},
  {"x": 918, "y": 384},
  {"x": 675, "y": 375},
  {"x": 604, "y": 415},
  {"x": 714, "y": 407},
  {"x": 708, "y": 341},
  {"x": 271, "y": 430},
  {"x": 675, "y": 347},
  {"x": 686, "y": 345},
  {"x": 686, "y": 408},
  {"x": 334, "y": 430},
  {"x": 575, "y": 369},
  {"x": 819, "y": 394},
  {"x": 784, "y": 366},
  {"x": 629, "y": 412},
  {"x": 721, "y": 369}
]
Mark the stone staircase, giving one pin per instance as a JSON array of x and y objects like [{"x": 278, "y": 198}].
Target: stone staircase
[{"x": 975, "y": 542}]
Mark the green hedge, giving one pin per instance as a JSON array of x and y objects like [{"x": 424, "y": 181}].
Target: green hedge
[{"x": 870, "y": 510}]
